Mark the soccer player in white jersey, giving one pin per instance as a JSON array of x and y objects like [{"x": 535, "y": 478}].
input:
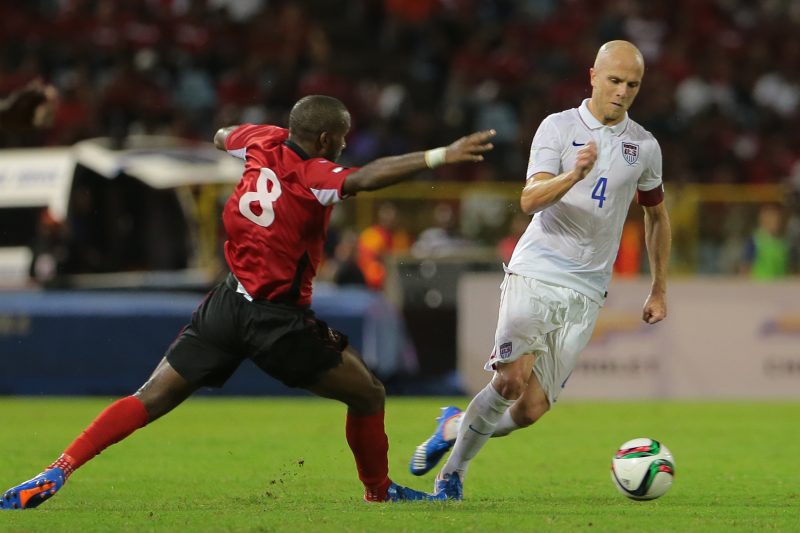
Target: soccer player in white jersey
[{"x": 585, "y": 166}]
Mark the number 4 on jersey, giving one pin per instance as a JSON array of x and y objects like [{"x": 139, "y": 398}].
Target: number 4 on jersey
[{"x": 599, "y": 192}]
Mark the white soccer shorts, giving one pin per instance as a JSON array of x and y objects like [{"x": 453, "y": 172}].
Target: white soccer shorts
[{"x": 555, "y": 323}]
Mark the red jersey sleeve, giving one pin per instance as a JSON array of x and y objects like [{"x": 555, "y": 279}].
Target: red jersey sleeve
[
  {"x": 325, "y": 180},
  {"x": 249, "y": 134}
]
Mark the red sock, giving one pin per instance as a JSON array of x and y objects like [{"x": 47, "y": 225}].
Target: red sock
[
  {"x": 116, "y": 422},
  {"x": 367, "y": 439}
]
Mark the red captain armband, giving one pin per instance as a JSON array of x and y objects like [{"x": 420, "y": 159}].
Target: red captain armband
[{"x": 650, "y": 198}]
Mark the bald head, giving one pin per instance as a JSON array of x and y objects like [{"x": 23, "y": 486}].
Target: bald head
[
  {"x": 319, "y": 124},
  {"x": 616, "y": 78},
  {"x": 313, "y": 114},
  {"x": 614, "y": 52}
]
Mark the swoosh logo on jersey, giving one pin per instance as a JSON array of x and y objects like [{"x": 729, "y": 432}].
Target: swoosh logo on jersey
[{"x": 578, "y": 144}]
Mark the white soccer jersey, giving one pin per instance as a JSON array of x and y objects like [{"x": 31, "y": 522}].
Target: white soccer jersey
[{"x": 574, "y": 242}]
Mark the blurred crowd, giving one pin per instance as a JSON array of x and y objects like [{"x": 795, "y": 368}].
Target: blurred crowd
[{"x": 721, "y": 90}]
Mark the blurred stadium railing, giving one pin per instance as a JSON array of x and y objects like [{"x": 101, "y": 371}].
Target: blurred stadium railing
[{"x": 135, "y": 192}]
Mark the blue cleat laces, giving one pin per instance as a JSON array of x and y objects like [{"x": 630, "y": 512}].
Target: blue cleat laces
[{"x": 449, "y": 487}]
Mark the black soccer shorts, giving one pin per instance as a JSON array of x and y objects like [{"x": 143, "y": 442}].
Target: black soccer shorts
[{"x": 288, "y": 343}]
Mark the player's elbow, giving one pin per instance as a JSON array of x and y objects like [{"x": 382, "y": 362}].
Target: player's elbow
[
  {"x": 364, "y": 179},
  {"x": 219, "y": 139},
  {"x": 355, "y": 183},
  {"x": 530, "y": 204},
  {"x": 532, "y": 199},
  {"x": 525, "y": 206},
  {"x": 221, "y": 136}
]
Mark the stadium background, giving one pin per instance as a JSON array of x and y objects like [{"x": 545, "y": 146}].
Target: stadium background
[{"x": 117, "y": 267}]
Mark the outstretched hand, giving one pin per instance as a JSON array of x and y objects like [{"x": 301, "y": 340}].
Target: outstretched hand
[{"x": 470, "y": 148}]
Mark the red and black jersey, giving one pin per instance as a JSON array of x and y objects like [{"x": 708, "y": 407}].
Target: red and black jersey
[{"x": 277, "y": 217}]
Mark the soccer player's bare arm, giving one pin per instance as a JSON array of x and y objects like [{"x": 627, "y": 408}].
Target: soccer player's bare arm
[
  {"x": 544, "y": 189},
  {"x": 390, "y": 170},
  {"x": 222, "y": 135},
  {"x": 658, "y": 239}
]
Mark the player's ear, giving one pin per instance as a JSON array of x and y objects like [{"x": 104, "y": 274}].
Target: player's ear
[{"x": 323, "y": 141}]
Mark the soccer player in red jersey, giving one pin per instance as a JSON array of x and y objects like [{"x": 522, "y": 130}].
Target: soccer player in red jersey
[{"x": 276, "y": 221}]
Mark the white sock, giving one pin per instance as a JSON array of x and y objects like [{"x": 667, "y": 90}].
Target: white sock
[
  {"x": 506, "y": 425},
  {"x": 477, "y": 425}
]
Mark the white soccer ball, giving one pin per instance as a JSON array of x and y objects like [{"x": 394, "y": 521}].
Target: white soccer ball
[{"x": 642, "y": 469}]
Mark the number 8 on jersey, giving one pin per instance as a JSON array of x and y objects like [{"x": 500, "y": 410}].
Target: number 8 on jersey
[{"x": 264, "y": 197}]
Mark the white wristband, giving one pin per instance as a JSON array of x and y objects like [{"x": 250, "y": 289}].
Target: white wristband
[{"x": 435, "y": 157}]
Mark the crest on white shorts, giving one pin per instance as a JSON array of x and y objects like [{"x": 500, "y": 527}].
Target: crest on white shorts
[{"x": 505, "y": 350}]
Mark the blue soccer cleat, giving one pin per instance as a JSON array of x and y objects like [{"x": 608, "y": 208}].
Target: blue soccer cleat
[
  {"x": 33, "y": 492},
  {"x": 399, "y": 493},
  {"x": 430, "y": 452},
  {"x": 449, "y": 487}
]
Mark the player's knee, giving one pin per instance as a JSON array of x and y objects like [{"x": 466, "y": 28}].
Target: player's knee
[
  {"x": 509, "y": 385},
  {"x": 369, "y": 399},
  {"x": 377, "y": 394}
]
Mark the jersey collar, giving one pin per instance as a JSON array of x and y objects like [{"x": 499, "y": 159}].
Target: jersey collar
[
  {"x": 592, "y": 123},
  {"x": 293, "y": 146}
]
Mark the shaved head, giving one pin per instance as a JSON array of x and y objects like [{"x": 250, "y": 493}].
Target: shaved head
[
  {"x": 618, "y": 51},
  {"x": 314, "y": 114},
  {"x": 319, "y": 125},
  {"x": 616, "y": 77}
]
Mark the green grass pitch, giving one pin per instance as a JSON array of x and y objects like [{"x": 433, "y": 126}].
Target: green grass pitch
[{"x": 268, "y": 464}]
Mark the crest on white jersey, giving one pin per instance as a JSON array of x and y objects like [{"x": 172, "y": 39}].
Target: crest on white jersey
[{"x": 630, "y": 152}]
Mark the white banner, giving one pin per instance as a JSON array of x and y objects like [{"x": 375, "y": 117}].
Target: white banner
[
  {"x": 37, "y": 177},
  {"x": 160, "y": 162},
  {"x": 723, "y": 338}
]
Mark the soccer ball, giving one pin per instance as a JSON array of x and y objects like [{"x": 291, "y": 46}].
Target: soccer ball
[{"x": 642, "y": 469}]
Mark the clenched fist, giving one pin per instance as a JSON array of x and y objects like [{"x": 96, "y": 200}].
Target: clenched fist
[{"x": 585, "y": 159}]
